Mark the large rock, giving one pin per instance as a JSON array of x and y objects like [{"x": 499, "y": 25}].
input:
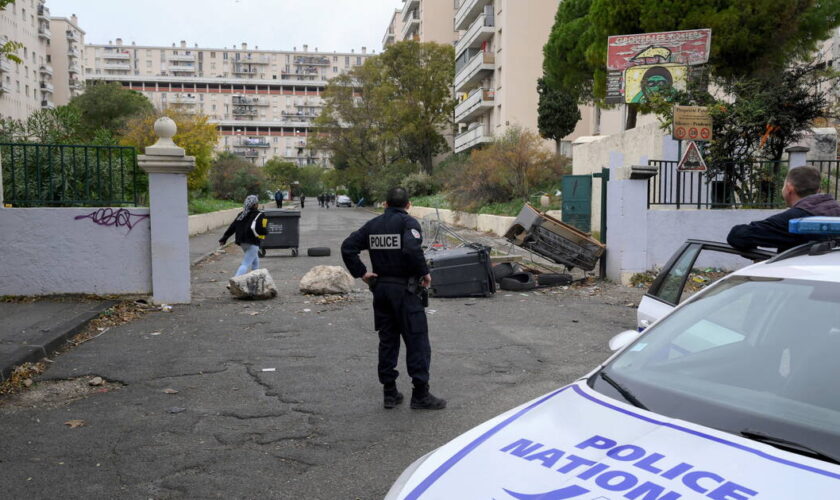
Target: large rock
[
  {"x": 323, "y": 280},
  {"x": 254, "y": 285}
]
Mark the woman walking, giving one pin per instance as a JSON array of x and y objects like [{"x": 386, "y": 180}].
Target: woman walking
[{"x": 249, "y": 227}]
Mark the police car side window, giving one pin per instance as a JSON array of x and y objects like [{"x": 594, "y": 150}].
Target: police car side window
[{"x": 672, "y": 287}]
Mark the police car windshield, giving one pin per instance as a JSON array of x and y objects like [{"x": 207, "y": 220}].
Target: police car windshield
[{"x": 752, "y": 353}]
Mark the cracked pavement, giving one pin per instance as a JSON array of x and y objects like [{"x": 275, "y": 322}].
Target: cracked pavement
[{"x": 313, "y": 427}]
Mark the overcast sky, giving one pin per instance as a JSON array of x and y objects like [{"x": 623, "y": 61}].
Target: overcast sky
[{"x": 330, "y": 25}]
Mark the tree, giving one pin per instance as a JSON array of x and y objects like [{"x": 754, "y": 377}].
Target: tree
[
  {"x": 310, "y": 178},
  {"x": 109, "y": 106},
  {"x": 420, "y": 105},
  {"x": 59, "y": 125},
  {"x": 513, "y": 167},
  {"x": 235, "y": 179},
  {"x": 558, "y": 112},
  {"x": 195, "y": 134},
  {"x": 750, "y": 38},
  {"x": 390, "y": 110},
  {"x": 280, "y": 172}
]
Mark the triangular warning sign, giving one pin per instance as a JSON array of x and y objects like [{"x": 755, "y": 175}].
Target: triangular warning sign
[{"x": 692, "y": 160}]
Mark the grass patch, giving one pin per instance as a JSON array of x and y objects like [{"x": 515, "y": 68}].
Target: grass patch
[
  {"x": 207, "y": 205},
  {"x": 431, "y": 201}
]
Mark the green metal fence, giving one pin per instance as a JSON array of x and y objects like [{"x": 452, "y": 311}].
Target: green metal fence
[{"x": 60, "y": 175}]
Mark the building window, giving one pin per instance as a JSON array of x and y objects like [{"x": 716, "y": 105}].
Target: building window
[
  {"x": 346, "y": 61},
  {"x": 335, "y": 69}
]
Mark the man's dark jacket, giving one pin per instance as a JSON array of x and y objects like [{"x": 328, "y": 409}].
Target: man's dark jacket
[{"x": 772, "y": 232}]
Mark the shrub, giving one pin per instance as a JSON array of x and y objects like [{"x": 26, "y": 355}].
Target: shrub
[
  {"x": 511, "y": 168},
  {"x": 236, "y": 179},
  {"x": 420, "y": 184}
]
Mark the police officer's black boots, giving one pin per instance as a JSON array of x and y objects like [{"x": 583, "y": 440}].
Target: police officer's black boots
[
  {"x": 422, "y": 399},
  {"x": 393, "y": 397}
]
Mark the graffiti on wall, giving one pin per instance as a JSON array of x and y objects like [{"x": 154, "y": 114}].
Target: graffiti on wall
[
  {"x": 641, "y": 65},
  {"x": 118, "y": 218}
]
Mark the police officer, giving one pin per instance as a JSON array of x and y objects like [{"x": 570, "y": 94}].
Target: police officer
[{"x": 393, "y": 241}]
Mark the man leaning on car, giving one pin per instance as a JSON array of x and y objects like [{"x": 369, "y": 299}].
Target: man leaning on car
[{"x": 800, "y": 193}]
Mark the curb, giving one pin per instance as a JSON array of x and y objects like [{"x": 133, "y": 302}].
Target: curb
[
  {"x": 46, "y": 343},
  {"x": 209, "y": 254}
]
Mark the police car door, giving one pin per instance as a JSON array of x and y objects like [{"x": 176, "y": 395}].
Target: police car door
[{"x": 683, "y": 275}]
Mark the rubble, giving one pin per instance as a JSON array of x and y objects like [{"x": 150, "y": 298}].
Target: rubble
[
  {"x": 326, "y": 280},
  {"x": 257, "y": 285}
]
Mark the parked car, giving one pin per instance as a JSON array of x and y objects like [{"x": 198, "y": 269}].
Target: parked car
[
  {"x": 343, "y": 201},
  {"x": 730, "y": 395}
]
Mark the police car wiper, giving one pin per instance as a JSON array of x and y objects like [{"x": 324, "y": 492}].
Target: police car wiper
[
  {"x": 622, "y": 390},
  {"x": 787, "y": 445}
]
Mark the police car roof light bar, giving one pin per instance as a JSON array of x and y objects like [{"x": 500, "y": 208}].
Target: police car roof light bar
[{"x": 815, "y": 225}]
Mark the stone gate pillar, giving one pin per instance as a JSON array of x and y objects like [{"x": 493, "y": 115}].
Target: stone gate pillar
[{"x": 168, "y": 166}]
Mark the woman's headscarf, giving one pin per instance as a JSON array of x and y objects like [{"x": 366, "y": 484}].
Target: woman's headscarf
[{"x": 251, "y": 202}]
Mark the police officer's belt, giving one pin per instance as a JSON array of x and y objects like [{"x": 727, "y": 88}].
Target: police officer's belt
[{"x": 394, "y": 280}]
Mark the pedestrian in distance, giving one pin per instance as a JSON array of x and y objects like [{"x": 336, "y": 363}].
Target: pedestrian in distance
[
  {"x": 801, "y": 193},
  {"x": 399, "y": 281},
  {"x": 249, "y": 228},
  {"x": 327, "y": 200},
  {"x": 278, "y": 198},
  {"x": 302, "y": 200}
]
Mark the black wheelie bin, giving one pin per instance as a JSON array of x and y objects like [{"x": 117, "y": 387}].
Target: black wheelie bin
[{"x": 283, "y": 230}]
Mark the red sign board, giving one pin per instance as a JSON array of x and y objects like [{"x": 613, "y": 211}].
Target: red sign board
[{"x": 680, "y": 47}]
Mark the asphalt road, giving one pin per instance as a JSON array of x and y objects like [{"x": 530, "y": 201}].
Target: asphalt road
[{"x": 311, "y": 428}]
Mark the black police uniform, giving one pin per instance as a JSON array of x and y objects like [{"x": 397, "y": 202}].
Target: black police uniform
[{"x": 393, "y": 241}]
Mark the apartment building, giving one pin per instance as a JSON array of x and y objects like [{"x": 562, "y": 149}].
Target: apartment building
[
  {"x": 263, "y": 101},
  {"x": 426, "y": 21},
  {"x": 32, "y": 84},
  {"x": 67, "y": 58}
]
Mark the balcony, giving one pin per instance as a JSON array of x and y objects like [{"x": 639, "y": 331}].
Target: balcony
[
  {"x": 481, "y": 30},
  {"x": 182, "y": 69},
  {"x": 120, "y": 56},
  {"x": 240, "y": 69},
  {"x": 245, "y": 111},
  {"x": 46, "y": 69},
  {"x": 409, "y": 6},
  {"x": 71, "y": 35},
  {"x": 75, "y": 84},
  {"x": 181, "y": 57},
  {"x": 388, "y": 39},
  {"x": 184, "y": 99},
  {"x": 43, "y": 13},
  {"x": 47, "y": 87},
  {"x": 478, "y": 102},
  {"x": 250, "y": 153},
  {"x": 5, "y": 87},
  {"x": 412, "y": 26},
  {"x": 471, "y": 139},
  {"x": 253, "y": 142},
  {"x": 467, "y": 12},
  {"x": 74, "y": 68},
  {"x": 239, "y": 100},
  {"x": 474, "y": 71},
  {"x": 44, "y": 32},
  {"x": 254, "y": 60},
  {"x": 312, "y": 61},
  {"x": 116, "y": 66},
  {"x": 47, "y": 104},
  {"x": 74, "y": 52},
  {"x": 6, "y": 65}
]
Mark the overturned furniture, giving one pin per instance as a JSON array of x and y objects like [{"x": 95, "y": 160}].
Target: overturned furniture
[{"x": 554, "y": 240}]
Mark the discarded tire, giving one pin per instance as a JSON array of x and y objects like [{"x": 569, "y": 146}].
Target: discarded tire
[
  {"x": 518, "y": 282},
  {"x": 318, "y": 252},
  {"x": 504, "y": 270},
  {"x": 552, "y": 279}
]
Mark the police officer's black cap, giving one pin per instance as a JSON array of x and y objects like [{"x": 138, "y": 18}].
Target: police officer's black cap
[{"x": 397, "y": 197}]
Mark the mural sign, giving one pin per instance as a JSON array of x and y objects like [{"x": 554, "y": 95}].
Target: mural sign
[
  {"x": 642, "y": 64},
  {"x": 692, "y": 123}
]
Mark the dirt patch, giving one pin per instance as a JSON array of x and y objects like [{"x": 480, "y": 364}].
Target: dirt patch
[{"x": 58, "y": 393}]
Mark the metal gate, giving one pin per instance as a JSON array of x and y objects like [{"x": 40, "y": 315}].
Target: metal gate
[{"x": 577, "y": 201}]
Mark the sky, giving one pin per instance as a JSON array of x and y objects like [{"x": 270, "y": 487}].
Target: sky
[{"x": 329, "y": 25}]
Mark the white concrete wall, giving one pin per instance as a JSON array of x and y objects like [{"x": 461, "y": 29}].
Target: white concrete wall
[
  {"x": 496, "y": 224},
  {"x": 633, "y": 147},
  {"x": 202, "y": 223},
  {"x": 48, "y": 251}
]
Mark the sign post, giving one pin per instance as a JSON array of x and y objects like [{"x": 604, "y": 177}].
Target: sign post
[{"x": 692, "y": 123}]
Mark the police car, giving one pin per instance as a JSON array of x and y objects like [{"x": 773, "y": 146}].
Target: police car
[{"x": 731, "y": 396}]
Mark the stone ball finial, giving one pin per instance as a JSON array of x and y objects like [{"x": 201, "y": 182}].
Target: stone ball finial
[{"x": 165, "y": 127}]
